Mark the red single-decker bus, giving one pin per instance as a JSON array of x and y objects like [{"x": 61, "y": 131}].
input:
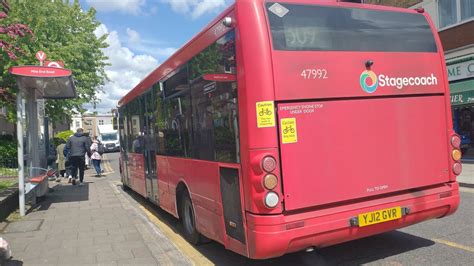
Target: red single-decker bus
[{"x": 292, "y": 125}]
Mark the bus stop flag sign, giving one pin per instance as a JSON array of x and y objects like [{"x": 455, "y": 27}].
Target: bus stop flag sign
[{"x": 41, "y": 56}]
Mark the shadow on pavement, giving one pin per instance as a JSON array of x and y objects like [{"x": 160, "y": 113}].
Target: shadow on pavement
[
  {"x": 351, "y": 253},
  {"x": 11, "y": 263},
  {"x": 64, "y": 192}
]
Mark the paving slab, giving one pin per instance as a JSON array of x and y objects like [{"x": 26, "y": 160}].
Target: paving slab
[
  {"x": 466, "y": 178},
  {"x": 23, "y": 226}
]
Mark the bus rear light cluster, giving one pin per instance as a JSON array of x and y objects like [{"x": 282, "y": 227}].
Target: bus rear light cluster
[
  {"x": 456, "y": 141},
  {"x": 271, "y": 199},
  {"x": 457, "y": 168},
  {"x": 269, "y": 164},
  {"x": 456, "y": 154},
  {"x": 270, "y": 182}
]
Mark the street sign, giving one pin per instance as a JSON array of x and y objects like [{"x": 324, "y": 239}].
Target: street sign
[
  {"x": 41, "y": 56},
  {"x": 57, "y": 64},
  {"x": 40, "y": 71}
]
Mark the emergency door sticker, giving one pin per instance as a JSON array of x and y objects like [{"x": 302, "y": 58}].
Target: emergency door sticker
[
  {"x": 288, "y": 130},
  {"x": 265, "y": 114}
]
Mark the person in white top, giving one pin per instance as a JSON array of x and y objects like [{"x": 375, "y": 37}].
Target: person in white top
[{"x": 96, "y": 157}]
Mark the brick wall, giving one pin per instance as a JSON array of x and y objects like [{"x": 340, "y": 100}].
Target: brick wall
[{"x": 458, "y": 36}]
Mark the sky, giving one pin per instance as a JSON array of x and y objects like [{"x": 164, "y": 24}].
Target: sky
[{"x": 142, "y": 34}]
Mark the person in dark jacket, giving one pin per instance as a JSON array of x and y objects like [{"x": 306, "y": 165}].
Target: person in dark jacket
[{"x": 78, "y": 145}]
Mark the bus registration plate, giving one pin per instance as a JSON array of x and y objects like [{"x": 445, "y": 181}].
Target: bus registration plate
[{"x": 379, "y": 216}]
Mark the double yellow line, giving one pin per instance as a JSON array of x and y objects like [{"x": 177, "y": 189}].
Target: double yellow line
[
  {"x": 106, "y": 165},
  {"x": 187, "y": 249},
  {"x": 452, "y": 244}
]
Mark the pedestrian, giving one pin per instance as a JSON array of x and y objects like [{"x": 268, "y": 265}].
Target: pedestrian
[
  {"x": 96, "y": 157},
  {"x": 67, "y": 164},
  {"x": 87, "y": 156},
  {"x": 61, "y": 161},
  {"x": 78, "y": 146}
]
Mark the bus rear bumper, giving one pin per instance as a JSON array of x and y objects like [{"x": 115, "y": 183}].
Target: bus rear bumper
[{"x": 275, "y": 235}]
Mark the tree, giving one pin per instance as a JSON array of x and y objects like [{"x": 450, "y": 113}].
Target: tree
[
  {"x": 64, "y": 32},
  {"x": 10, "y": 32}
]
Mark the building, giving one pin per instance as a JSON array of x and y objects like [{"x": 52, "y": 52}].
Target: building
[
  {"x": 91, "y": 121},
  {"x": 396, "y": 3},
  {"x": 454, "y": 20},
  {"x": 76, "y": 122}
]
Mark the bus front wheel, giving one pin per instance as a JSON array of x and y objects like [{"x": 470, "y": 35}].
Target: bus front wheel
[{"x": 189, "y": 222}]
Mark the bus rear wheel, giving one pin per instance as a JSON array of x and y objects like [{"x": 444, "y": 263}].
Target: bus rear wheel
[
  {"x": 125, "y": 187},
  {"x": 188, "y": 219}
]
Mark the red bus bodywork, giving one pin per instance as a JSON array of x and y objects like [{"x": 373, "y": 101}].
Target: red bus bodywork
[{"x": 355, "y": 152}]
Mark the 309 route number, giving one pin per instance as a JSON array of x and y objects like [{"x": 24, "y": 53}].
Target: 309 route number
[{"x": 314, "y": 73}]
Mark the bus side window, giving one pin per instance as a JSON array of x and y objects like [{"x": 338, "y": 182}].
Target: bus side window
[
  {"x": 214, "y": 103},
  {"x": 159, "y": 122},
  {"x": 177, "y": 115},
  {"x": 133, "y": 125},
  {"x": 216, "y": 122}
]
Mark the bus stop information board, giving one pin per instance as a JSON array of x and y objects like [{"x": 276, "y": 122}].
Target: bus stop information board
[{"x": 40, "y": 71}]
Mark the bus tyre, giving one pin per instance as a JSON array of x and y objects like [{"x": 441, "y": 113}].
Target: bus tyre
[
  {"x": 125, "y": 187},
  {"x": 188, "y": 219}
]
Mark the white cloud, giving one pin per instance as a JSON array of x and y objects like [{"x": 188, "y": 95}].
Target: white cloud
[
  {"x": 196, "y": 8},
  {"x": 151, "y": 47},
  {"x": 125, "y": 6},
  {"x": 133, "y": 36},
  {"x": 207, "y": 6},
  {"x": 125, "y": 72},
  {"x": 165, "y": 52}
]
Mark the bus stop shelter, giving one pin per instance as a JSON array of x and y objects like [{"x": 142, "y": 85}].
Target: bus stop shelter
[{"x": 35, "y": 85}]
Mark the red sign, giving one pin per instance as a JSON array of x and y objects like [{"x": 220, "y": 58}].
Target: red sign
[
  {"x": 41, "y": 56},
  {"x": 40, "y": 71},
  {"x": 58, "y": 64},
  {"x": 219, "y": 77}
]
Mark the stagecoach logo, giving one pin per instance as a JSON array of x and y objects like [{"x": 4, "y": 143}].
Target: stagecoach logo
[
  {"x": 374, "y": 82},
  {"x": 369, "y": 81}
]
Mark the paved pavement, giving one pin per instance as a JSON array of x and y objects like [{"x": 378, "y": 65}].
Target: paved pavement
[
  {"x": 466, "y": 178},
  {"x": 92, "y": 224}
]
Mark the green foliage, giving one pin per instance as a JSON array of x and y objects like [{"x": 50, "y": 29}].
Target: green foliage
[
  {"x": 4, "y": 184},
  {"x": 208, "y": 61},
  {"x": 64, "y": 32},
  {"x": 64, "y": 135},
  {"x": 8, "y": 148}
]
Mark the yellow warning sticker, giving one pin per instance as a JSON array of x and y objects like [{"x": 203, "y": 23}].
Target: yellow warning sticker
[
  {"x": 265, "y": 114},
  {"x": 288, "y": 130}
]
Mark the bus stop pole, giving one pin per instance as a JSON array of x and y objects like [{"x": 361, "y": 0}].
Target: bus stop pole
[{"x": 19, "y": 136}]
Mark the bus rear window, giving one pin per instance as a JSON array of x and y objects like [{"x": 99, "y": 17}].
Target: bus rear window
[{"x": 324, "y": 28}]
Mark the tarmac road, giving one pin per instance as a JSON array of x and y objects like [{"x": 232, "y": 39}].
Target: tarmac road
[{"x": 447, "y": 241}]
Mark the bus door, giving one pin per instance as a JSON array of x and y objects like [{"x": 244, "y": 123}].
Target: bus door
[
  {"x": 123, "y": 131},
  {"x": 150, "y": 147}
]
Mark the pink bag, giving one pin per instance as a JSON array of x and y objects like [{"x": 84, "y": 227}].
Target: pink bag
[{"x": 5, "y": 252}]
